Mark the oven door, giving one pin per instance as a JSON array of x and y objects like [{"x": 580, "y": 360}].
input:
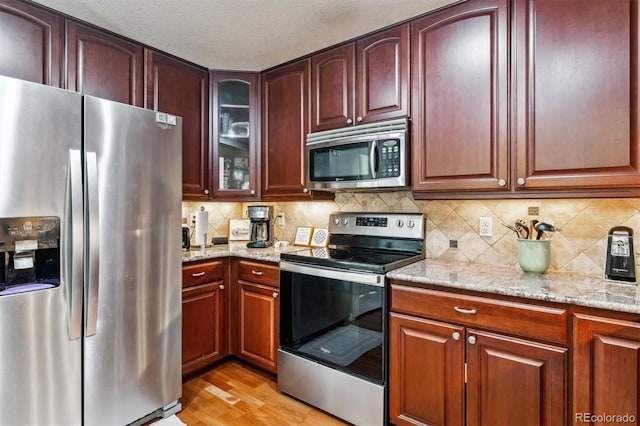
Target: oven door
[{"x": 334, "y": 317}]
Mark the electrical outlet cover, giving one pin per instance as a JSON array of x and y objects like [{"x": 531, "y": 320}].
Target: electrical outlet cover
[{"x": 485, "y": 227}]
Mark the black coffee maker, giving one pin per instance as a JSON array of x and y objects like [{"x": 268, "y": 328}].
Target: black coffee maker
[
  {"x": 620, "y": 259},
  {"x": 261, "y": 226}
]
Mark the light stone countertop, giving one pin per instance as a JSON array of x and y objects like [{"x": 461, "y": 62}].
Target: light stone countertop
[
  {"x": 571, "y": 288},
  {"x": 270, "y": 254}
]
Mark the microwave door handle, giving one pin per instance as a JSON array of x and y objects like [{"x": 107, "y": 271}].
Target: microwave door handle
[{"x": 373, "y": 159}]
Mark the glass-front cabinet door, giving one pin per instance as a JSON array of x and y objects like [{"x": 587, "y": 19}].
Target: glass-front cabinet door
[{"x": 235, "y": 166}]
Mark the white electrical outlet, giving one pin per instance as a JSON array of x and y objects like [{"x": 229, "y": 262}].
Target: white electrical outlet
[
  {"x": 280, "y": 219},
  {"x": 485, "y": 227}
]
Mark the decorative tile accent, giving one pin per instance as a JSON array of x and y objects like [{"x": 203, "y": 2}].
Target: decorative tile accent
[{"x": 579, "y": 247}]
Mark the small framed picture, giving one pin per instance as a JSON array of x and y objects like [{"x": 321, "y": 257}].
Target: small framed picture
[
  {"x": 303, "y": 235},
  {"x": 239, "y": 229},
  {"x": 320, "y": 237}
]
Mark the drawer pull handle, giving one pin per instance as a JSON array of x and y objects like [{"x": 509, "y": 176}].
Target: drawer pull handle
[
  {"x": 464, "y": 311},
  {"x": 258, "y": 273},
  {"x": 198, "y": 274}
]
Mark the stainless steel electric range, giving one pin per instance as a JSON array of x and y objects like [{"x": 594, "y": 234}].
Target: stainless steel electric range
[{"x": 333, "y": 313}]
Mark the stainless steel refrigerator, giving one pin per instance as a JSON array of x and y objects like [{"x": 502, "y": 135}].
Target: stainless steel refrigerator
[{"x": 90, "y": 241}]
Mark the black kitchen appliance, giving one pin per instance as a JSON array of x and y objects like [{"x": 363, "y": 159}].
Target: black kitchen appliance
[
  {"x": 334, "y": 309},
  {"x": 620, "y": 258},
  {"x": 261, "y": 218},
  {"x": 366, "y": 156},
  {"x": 186, "y": 237}
]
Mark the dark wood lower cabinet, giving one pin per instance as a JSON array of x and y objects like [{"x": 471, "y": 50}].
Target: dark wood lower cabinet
[
  {"x": 258, "y": 326},
  {"x": 445, "y": 371},
  {"x": 426, "y": 372},
  {"x": 509, "y": 381},
  {"x": 514, "y": 381},
  {"x": 205, "y": 312},
  {"x": 202, "y": 325},
  {"x": 256, "y": 312},
  {"x": 606, "y": 371}
]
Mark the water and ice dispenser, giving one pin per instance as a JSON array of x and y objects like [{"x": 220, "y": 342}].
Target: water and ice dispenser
[{"x": 29, "y": 254}]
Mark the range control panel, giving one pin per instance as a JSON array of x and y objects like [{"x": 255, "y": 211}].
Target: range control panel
[
  {"x": 389, "y": 160},
  {"x": 403, "y": 225}
]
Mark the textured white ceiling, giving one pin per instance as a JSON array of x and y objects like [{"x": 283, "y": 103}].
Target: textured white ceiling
[{"x": 250, "y": 35}]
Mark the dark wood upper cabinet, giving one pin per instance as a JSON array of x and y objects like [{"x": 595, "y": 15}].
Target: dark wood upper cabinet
[
  {"x": 31, "y": 43},
  {"x": 235, "y": 166},
  {"x": 382, "y": 75},
  {"x": 182, "y": 89},
  {"x": 332, "y": 88},
  {"x": 285, "y": 124},
  {"x": 576, "y": 94},
  {"x": 459, "y": 75},
  {"x": 103, "y": 65},
  {"x": 361, "y": 82}
]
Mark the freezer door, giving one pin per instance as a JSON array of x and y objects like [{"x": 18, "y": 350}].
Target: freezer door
[
  {"x": 40, "y": 344},
  {"x": 133, "y": 262}
]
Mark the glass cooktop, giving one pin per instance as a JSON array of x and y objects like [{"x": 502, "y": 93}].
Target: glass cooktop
[{"x": 351, "y": 258}]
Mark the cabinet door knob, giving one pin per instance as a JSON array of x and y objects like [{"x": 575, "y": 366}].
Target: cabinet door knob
[
  {"x": 464, "y": 311},
  {"x": 206, "y": 192},
  {"x": 521, "y": 181},
  {"x": 221, "y": 287},
  {"x": 359, "y": 119},
  {"x": 258, "y": 273},
  {"x": 275, "y": 294},
  {"x": 502, "y": 183},
  {"x": 197, "y": 274},
  {"x": 305, "y": 190},
  {"x": 349, "y": 121},
  {"x": 252, "y": 192},
  {"x": 472, "y": 340},
  {"x": 455, "y": 335}
]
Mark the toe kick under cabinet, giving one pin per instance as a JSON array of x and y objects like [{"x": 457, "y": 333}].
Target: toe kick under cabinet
[{"x": 458, "y": 359}]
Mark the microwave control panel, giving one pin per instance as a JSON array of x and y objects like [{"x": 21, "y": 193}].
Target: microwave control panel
[{"x": 389, "y": 158}]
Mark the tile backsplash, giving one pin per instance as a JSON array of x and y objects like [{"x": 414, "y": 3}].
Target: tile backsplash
[{"x": 579, "y": 246}]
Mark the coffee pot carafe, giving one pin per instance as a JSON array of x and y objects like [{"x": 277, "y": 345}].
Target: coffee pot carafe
[{"x": 261, "y": 218}]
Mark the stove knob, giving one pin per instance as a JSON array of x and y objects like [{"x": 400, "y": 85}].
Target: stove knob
[
  {"x": 410, "y": 224},
  {"x": 345, "y": 221},
  {"x": 336, "y": 221},
  {"x": 400, "y": 223}
]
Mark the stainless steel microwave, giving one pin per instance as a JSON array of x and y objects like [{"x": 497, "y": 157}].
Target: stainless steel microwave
[{"x": 367, "y": 156}]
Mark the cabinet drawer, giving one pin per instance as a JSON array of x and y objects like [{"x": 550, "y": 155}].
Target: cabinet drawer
[
  {"x": 198, "y": 273},
  {"x": 533, "y": 321},
  {"x": 262, "y": 273}
]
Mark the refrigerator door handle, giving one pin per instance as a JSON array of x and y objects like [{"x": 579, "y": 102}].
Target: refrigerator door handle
[
  {"x": 92, "y": 229},
  {"x": 75, "y": 242}
]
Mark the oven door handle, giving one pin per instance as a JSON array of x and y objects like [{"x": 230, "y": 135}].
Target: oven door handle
[{"x": 334, "y": 274}]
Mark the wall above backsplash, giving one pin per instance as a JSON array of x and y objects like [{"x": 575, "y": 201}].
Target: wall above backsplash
[{"x": 580, "y": 246}]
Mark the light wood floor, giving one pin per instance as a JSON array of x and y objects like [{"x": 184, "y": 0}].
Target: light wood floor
[{"x": 236, "y": 394}]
